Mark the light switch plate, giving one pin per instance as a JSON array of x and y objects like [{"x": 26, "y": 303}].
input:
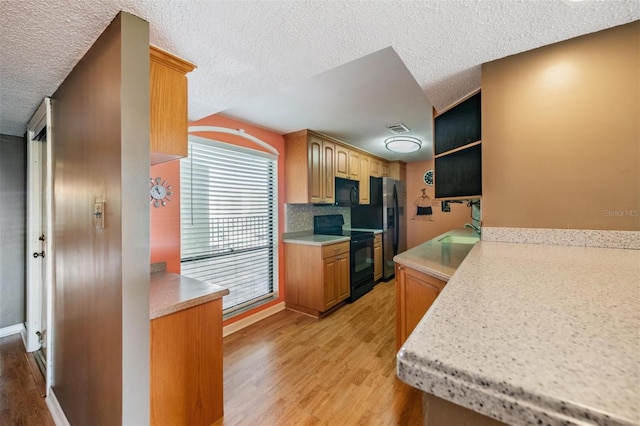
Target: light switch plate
[{"x": 98, "y": 215}]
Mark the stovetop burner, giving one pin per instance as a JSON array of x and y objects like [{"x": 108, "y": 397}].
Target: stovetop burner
[{"x": 331, "y": 224}]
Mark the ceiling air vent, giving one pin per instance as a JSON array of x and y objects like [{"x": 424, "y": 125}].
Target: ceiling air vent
[{"x": 398, "y": 129}]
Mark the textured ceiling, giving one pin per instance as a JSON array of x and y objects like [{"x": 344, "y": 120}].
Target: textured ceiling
[{"x": 246, "y": 49}]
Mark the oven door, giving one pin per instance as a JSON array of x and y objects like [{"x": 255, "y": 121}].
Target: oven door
[{"x": 361, "y": 263}]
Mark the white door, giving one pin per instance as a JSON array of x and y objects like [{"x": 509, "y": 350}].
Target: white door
[{"x": 39, "y": 248}]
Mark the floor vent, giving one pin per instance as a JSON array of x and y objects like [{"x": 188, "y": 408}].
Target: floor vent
[{"x": 398, "y": 129}]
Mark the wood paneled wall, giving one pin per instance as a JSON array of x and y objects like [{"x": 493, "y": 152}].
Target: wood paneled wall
[{"x": 101, "y": 297}]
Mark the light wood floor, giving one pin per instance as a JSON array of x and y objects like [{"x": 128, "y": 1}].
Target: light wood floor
[
  {"x": 21, "y": 402},
  {"x": 290, "y": 369}
]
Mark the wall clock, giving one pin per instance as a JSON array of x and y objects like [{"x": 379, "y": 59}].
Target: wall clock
[
  {"x": 159, "y": 192},
  {"x": 428, "y": 177}
]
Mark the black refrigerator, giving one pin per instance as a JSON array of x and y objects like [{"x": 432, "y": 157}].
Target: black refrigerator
[{"x": 387, "y": 211}]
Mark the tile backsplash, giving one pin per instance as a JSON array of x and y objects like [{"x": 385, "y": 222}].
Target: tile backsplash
[{"x": 299, "y": 217}]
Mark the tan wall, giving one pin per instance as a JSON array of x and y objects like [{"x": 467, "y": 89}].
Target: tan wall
[
  {"x": 424, "y": 228},
  {"x": 561, "y": 134},
  {"x": 101, "y": 152}
]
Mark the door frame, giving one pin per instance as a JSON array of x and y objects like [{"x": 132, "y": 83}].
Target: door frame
[{"x": 41, "y": 118}]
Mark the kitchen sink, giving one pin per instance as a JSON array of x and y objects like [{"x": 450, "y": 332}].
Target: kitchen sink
[{"x": 459, "y": 239}]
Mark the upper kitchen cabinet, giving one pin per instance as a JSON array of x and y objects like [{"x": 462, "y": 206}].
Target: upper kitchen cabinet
[
  {"x": 384, "y": 169},
  {"x": 458, "y": 126},
  {"x": 375, "y": 168},
  {"x": 397, "y": 170},
  {"x": 309, "y": 168},
  {"x": 313, "y": 161},
  {"x": 347, "y": 163},
  {"x": 168, "y": 109},
  {"x": 364, "y": 180},
  {"x": 379, "y": 168},
  {"x": 458, "y": 150}
]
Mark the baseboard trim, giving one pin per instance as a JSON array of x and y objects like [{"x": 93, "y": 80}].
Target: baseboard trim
[
  {"x": 56, "y": 410},
  {"x": 12, "y": 329},
  {"x": 245, "y": 322}
]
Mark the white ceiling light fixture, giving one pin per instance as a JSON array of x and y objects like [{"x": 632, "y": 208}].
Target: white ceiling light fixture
[{"x": 403, "y": 144}]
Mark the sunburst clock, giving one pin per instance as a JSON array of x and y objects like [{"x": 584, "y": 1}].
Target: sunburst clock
[
  {"x": 428, "y": 177},
  {"x": 159, "y": 191}
]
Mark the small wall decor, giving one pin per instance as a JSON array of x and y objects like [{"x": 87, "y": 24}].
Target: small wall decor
[
  {"x": 423, "y": 207},
  {"x": 159, "y": 192},
  {"x": 428, "y": 177}
]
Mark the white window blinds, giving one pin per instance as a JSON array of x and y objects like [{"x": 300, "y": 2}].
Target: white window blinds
[{"x": 229, "y": 221}]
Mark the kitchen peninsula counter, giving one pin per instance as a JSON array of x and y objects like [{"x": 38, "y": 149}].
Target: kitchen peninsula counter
[
  {"x": 533, "y": 334},
  {"x": 170, "y": 293},
  {"x": 186, "y": 350}
]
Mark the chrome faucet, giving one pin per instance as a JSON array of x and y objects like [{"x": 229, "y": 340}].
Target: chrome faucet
[{"x": 472, "y": 226}]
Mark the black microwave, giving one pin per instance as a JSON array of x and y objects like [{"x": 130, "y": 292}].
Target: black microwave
[{"x": 347, "y": 192}]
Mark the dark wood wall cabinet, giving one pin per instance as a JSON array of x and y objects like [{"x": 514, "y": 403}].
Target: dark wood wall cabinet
[{"x": 458, "y": 150}]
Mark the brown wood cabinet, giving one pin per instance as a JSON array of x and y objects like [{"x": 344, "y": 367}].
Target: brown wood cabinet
[
  {"x": 168, "y": 105},
  {"x": 186, "y": 366},
  {"x": 377, "y": 257},
  {"x": 384, "y": 169},
  {"x": 354, "y": 165},
  {"x": 375, "y": 167},
  {"x": 398, "y": 170},
  {"x": 328, "y": 171},
  {"x": 316, "y": 277},
  {"x": 313, "y": 161},
  {"x": 347, "y": 163},
  {"x": 309, "y": 168},
  {"x": 415, "y": 292},
  {"x": 364, "y": 179},
  {"x": 342, "y": 161}
]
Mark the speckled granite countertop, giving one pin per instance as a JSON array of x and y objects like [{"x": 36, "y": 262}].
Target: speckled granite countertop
[
  {"x": 169, "y": 293},
  {"x": 315, "y": 239},
  {"x": 534, "y": 334},
  {"x": 435, "y": 258}
]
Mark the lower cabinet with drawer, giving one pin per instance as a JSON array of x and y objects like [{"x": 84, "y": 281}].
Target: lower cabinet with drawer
[
  {"x": 316, "y": 277},
  {"x": 415, "y": 292}
]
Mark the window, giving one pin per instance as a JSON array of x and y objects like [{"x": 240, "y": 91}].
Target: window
[{"x": 229, "y": 221}]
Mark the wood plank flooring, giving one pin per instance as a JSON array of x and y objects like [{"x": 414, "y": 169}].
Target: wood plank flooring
[
  {"x": 290, "y": 369},
  {"x": 21, "y": 402}
]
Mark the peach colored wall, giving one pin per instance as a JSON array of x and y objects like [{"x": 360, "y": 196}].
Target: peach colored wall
[
  {"x": 276, "y": 141},
  {"x": 165, "y": 221},
  {"x": 418, "y": 230},
  {"x": 561, "y": 134}
]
